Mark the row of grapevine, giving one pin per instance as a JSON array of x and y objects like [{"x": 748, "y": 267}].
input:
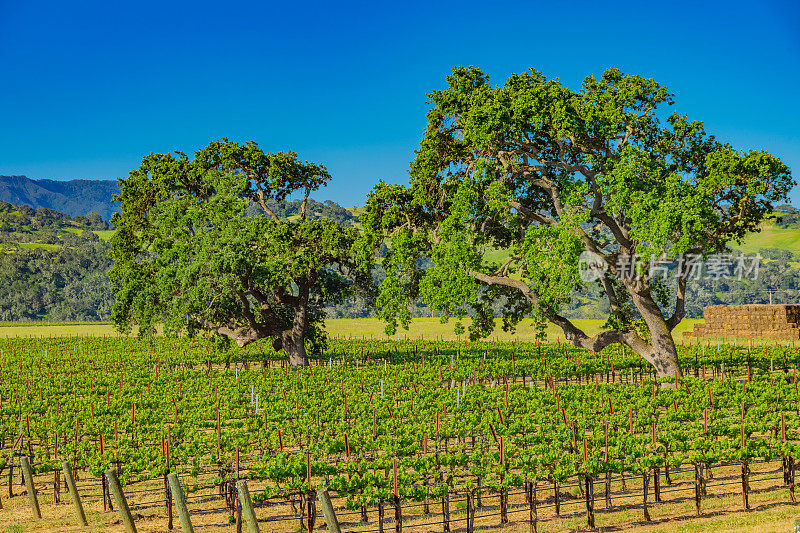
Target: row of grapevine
[{"x": 380, "y": 423}]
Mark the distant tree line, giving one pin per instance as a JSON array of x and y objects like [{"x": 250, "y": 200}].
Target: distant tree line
[{"x": 53, "y": 267}]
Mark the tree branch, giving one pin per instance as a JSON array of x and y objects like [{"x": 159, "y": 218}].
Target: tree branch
[
  {"x": 680, "y": 302},
  {"x": 605, "y": 338},
  {"x": 261, "y": 199},
  {"x": 241, "y": 336},
  {"x": 503, "y": 281}
]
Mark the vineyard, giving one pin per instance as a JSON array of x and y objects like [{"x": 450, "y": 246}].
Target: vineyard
[{"x": 416, "y": 435}]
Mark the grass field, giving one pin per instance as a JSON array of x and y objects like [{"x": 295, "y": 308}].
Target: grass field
[
  {"x": 771, "y": 236},
  {"x": 371, "y": 328},
  {"x": 31, "y": 245},
  {"x": 432, "y": 328},
  {"x": 104, "y": 234},
  {"x": 429, "y": 328}
]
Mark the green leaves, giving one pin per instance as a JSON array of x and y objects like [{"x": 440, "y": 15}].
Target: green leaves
[
  {"x": 190, "y": 254},
  {"x": 512, "y": 182}
]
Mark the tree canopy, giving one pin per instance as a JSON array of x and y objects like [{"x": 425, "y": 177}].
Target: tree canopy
[
  {"x": 189, "y": 256},
  {"x": 512, "y": 183}
]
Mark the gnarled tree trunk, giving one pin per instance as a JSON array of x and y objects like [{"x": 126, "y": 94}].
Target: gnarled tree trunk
[
  {"x": 295, "y": 348},
  {"x": 294, "y": 339},
  {"x": 663, "y": 354}
]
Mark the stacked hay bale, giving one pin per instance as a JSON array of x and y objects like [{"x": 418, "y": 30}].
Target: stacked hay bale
[{"x": 756, "y": 320}]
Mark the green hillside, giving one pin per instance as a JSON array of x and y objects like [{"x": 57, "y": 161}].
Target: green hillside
[
  {"x": 771, "y": 236},
  {"x": 24, "y": 227}
]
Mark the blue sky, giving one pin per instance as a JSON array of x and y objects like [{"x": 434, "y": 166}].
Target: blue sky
[{"x": 89, "y": 88}]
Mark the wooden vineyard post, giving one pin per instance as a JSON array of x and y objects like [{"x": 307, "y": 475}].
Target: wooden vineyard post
[
  {"x": 645, "y": 483},
  {"x": 122, "y": 503},
  {"x": 745, "y": 474},
  {"x": 73, "y": 492},
  {"x": 180, "y": 502},
  {"x": 589, "y": 490},
  {"x": 327, "y": 511},
  {"x": 247, "y": 506},
  {"x": 698, "y": 472},
  {"x": 398, "y": 515},
  {"x": 531, "y": 497},
  {"x": 503, "y": 491},
  {"x": 25, "y": 466}
]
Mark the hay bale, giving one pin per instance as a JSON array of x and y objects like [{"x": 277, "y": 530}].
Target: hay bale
[{"x": 780, "y": 321}]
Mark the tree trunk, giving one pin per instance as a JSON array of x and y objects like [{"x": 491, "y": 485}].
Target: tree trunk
[
  {"x": 294, "y": 340},
  {"x": 663, "y": 354},
  {"x": 296, "y": 352}
]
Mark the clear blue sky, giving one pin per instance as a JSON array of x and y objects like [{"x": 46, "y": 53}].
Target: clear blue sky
[{"x": 89, "y": 88}]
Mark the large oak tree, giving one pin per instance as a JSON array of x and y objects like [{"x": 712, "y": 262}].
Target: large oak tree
[
  {"x": 512, "y": 183},
  {"x": 187, "y": 255}
]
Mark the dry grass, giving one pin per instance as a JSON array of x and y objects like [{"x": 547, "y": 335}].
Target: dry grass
[
  {"x": 429, "y": 328},
  {"x": 771, "y": 509},
  {"x": 432, "y": 328}
]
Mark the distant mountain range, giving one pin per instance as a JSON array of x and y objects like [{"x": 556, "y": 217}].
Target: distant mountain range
[{"x": 73, "y": 197}]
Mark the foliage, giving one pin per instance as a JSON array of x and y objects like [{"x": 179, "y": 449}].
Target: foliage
[
  {"x": 787, "y": 216},
  {"x": 545, "y": 173},
  {"x": 52, "y": 266},
  {"x": 186, "y": 255},
  {"x": 64, "y": 284},
  {"x": 327, "y": 209}
]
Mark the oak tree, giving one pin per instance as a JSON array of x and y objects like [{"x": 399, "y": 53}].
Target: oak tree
[
  {"x": 512, "y": 183},
  {"x": 186, "y": 254}
]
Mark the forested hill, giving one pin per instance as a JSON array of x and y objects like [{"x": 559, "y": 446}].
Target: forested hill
[
  {"x": 53, "y": 266},
  {"x": 82, "y": 197},
  {"x": 73, "y": 197}
]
